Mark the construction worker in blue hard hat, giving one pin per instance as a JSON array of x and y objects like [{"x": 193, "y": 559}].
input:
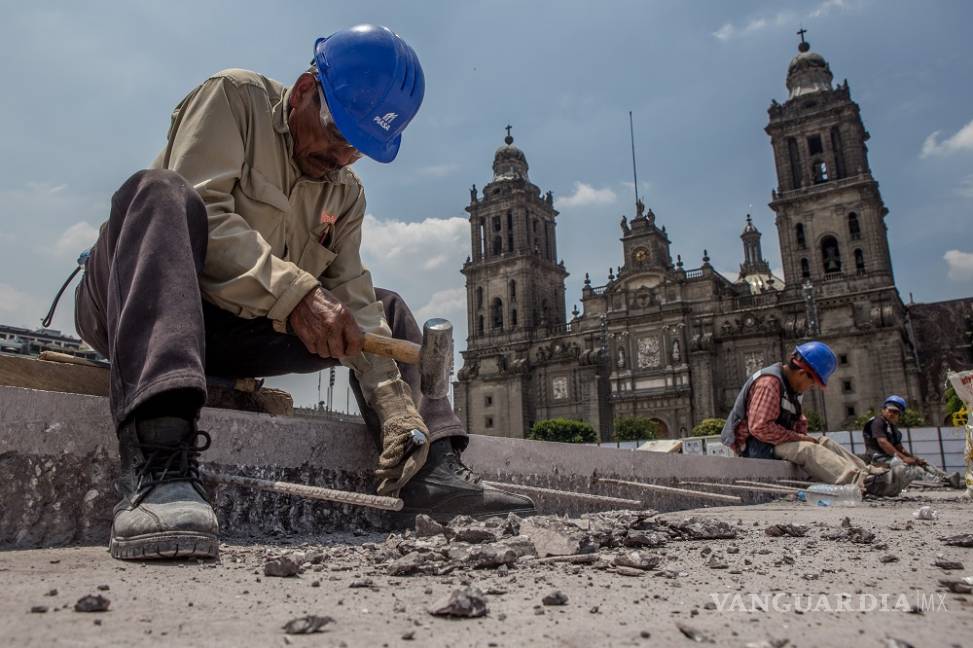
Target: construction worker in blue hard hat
[
  {"x": 767, "y": 422},
  {"x": 238, "y": 255},
  {"x": 883, "y": 439}
]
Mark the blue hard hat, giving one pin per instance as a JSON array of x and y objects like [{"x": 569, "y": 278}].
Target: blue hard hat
[
  {"x": 819, "y": 357},
  {"x": 374, "y": 85},
  {"x": 898, "y": 401}
]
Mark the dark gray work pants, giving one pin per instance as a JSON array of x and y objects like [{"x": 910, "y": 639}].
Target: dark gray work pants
[{"x": 139, "y": 304}]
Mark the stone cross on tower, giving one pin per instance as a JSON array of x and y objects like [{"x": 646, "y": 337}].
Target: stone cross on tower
[{"x": 804, "y": 46}]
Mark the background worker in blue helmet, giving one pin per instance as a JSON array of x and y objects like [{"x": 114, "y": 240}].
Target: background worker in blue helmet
[
  {"x": 767, "y": 422},
  {"x": 883, "y": 440},
  {"x": 238, "y": 255}
]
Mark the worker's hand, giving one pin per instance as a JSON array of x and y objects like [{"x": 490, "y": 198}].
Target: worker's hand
[
  {"x": 910, "y": 461},
  {"x": 326, "y": 326},
  {"x": 808, "y": 438}
]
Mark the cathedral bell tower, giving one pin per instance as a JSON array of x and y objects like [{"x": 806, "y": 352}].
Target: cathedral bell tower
[
  {"x": 830, "y": 214},
  {"x": 514, "y": 282},
  {"x": 514, "y": 295}
]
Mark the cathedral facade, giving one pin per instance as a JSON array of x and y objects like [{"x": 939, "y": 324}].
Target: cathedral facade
[{"x": 672, "y": 343}]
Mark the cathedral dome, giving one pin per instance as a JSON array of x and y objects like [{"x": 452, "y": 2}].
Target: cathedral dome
[
  {"x": 509, "y": 162},
  {"x": 808, "y": 72}
]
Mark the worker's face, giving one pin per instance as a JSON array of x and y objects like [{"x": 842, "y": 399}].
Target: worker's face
[
  {"x": 802, "y": 380},
  {"x": 891, "y": 413},
  {"x": 318, "y": 148}
]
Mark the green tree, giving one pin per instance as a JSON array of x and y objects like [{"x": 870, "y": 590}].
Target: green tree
[
  {"x": 859, "y": 421},
  {"x": 815, "y": 422},
  {"x": 708, "y": 427},
  {"x": 635, "y": 428},
  {"x": 563, "y": 431},
  {"x": 911, "y": 418}
]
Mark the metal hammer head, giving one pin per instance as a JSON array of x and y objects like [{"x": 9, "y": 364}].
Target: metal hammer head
[{"x": 436, "y": 358}]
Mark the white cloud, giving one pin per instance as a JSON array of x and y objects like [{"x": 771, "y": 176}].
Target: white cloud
[
  {"x": 386, "y": 240},
  {"x": 962, "y": 140},
  {"x": 730, "y": 31},
  {"x": 584, "y": 194},
  {"x": 825, "y": 7},
  {"x": 960, "y": 265},
  {"x": 449, "y": 303},
  {"x": 76, "y": 239}
]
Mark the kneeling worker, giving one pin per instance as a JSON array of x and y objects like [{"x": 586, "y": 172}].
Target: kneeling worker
[
  {"x": 767, "y": 423},
  {"x": 883, "y": 439}
]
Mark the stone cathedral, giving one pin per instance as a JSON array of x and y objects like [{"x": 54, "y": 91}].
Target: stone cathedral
[{"x": 673, "y": 343}]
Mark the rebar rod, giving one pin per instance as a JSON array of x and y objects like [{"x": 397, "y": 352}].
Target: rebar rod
[{"x": 309, "y": 492}]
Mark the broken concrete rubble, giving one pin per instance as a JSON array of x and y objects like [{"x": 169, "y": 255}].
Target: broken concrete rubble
[
  {"x": 468, "y": 602},
  {"x": 792, "y": 530},
  {"x": 92, "y": 603},
  {"x": 307, "y": 624},
  {"x": 283, "y": 566}
]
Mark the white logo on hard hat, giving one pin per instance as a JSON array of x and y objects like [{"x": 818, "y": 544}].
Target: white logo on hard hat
[{"x": 385, "y": 121}]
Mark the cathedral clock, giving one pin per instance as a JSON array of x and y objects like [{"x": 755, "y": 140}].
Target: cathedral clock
[{"x": 641, "y": 255}]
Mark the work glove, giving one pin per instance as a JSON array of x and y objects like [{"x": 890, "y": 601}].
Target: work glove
[
  {"x": 405, "y": 447},
  {"x": 405, "y": 437}
]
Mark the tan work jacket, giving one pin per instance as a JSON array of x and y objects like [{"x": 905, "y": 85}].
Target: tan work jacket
[{"x": 274, "y": 234}]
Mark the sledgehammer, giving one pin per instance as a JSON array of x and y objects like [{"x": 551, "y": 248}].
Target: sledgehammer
[{"x": 434, "y": 356}]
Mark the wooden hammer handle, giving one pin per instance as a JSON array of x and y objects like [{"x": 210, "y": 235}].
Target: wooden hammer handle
[{"x": 401, "y": 350}]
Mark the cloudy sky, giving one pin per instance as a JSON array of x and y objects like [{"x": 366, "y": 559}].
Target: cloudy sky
[{"x": 89, "y": 89}]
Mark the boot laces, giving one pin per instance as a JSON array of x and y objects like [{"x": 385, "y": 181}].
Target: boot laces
[
  {"x": 167, "y": 464},
  {"x": 460, "y": 469}
]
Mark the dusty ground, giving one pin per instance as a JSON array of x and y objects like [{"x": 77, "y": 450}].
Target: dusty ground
[{"x": 232, "y": 603}]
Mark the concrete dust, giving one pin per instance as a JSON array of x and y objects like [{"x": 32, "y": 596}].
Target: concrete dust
[{"x": 631, "y": 579}]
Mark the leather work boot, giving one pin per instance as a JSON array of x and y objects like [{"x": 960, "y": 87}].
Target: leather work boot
[
  {"x": 445, "y": 488},
  {"x": 888, "y": 484},
  {"x": 164, "y": 512}
]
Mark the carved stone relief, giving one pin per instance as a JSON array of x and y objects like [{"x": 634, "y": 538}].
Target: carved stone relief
[{"x": 649, "y": 353}]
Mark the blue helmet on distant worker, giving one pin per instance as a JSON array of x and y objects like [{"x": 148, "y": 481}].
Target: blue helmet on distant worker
[
  {"x": 896, "y": 401},
  {"x": 819, "y": 357},
  {"x": 374, "y": 86}
]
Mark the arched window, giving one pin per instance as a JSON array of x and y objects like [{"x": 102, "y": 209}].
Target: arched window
[
  {"x": 510, "y": 230},
  {"x": 794, "y": 157},
  {"x": 854, "y": 229},
  {"x": 498, "y": 313},
  {"x": 513, "y": 318},
  {"x": 801, "y": 240},
  {"x": 830, "y": 255},
  {"x": 805, "y": 269},
  {"x": 479, "y": 325},
  {"x": 513, "y": 290},
  {"x": 479, "y": 298},
  {"x": 859, "y": 261}
]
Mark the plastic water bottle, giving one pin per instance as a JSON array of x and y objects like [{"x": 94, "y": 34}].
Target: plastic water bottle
[{"x": 831, "y": 495}]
